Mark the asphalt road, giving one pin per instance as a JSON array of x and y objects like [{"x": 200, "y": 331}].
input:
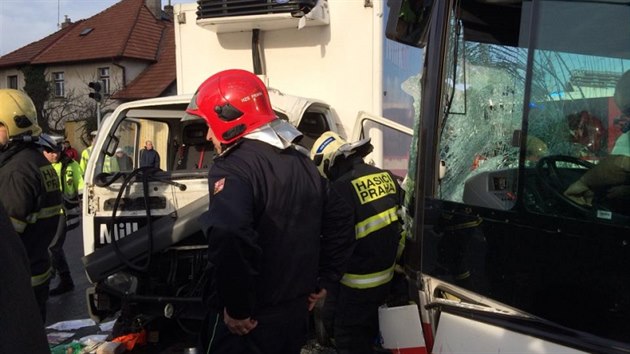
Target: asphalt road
[{"x": 72, "y": 305}]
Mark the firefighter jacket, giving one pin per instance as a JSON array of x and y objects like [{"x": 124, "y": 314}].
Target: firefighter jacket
[
  {"x": 375, "y": 196},
  {"x": 276, "y": 232},
  {"x": 32, "y": 198},
  {"x": 71, "y": 180},
  {"x": 22, "y": 328}
]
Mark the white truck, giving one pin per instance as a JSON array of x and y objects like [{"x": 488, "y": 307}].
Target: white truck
[
  {"x": 500, "y": 258},
  {"x": 325, "y": 63}
]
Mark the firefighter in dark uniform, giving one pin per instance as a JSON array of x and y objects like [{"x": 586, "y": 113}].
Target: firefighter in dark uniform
[
  {"x": 350, "y": 311},
  {"x": 277, "y": 235},
  {"x": 30, "y": 187},
  {"x": 22, "y": 327}
]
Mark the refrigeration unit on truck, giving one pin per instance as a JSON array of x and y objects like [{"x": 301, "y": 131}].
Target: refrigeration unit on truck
[{"x": 328, "y": 66}]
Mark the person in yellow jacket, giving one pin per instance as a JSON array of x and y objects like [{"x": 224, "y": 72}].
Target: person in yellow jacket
[
  {"x": 71, "y": 180},
  {"x": 85, "y": 154}
]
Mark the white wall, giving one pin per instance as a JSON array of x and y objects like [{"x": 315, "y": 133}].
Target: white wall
[
  {"x": 339, "y": 63},
  {"x": 4, "y": 75}
]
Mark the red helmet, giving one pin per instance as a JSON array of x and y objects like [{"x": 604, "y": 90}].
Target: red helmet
[{"x": 233, "y": 103}]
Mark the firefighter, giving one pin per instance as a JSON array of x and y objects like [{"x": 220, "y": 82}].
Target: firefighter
[
  {"x": 278, "y": 237},
  {"x": 350, "y": 312},
  {"x": 71, "y": 180},
  {"x": 30, "y": 187},
  {"x": 22, "y": 326}
]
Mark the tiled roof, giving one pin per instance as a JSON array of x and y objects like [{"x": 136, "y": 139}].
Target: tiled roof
[
  {"x": 153, "y": 81},
  {"x": 25, "y": 54},
  {"x": 124, "y": 30},
  {"x": 112, "y": 33}
]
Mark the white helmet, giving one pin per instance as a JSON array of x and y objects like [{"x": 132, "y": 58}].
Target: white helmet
[
  {"x": 50, "y": 143},
  {"x": 329, "y": 148}
]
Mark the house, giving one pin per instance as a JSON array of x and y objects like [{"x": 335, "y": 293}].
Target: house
[{"x": 129, "y": 48}]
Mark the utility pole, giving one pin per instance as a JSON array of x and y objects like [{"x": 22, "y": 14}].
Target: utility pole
[{"x": 98, "y": 115}]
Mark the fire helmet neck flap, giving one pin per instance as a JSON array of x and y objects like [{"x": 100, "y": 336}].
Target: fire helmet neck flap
[
  {"x": 330, "y": 147},
  {"x": 18, "y": 114},
  {"x": 233, "y": 103}
]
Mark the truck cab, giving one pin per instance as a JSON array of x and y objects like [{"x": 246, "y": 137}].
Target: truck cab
[
  {"x": 327, "y": 66},
  {"x": 142, "y": 242}
]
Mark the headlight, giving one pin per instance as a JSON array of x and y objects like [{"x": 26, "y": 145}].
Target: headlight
[{"x": 123, "y": 282}]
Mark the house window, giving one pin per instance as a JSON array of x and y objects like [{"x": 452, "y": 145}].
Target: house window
[
  {"x": 59, "y": 84},
  {"x": 103, "y": 77},
  {"x": 12, "y": 82}
]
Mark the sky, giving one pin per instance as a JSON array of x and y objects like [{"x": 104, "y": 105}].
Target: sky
[{"x": 26, "y": 21}]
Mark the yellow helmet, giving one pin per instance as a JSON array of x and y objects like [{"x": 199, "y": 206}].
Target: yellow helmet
[
  {"x": 329, "y": 147},
  {"x": 18, "y": 113},
  {"x": 536, "y": 148}
]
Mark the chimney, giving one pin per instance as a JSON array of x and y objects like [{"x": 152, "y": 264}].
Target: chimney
[
  {"x": 155, "y": 6},
  {"x": 66, "y": 22},
  {"x": 169, "y": 10}
]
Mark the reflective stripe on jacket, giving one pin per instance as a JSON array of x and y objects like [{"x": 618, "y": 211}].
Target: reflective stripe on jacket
[{"x": 40, "y": 279}]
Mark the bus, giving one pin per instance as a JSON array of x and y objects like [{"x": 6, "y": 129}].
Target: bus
[{"x": 520, "y": 103}]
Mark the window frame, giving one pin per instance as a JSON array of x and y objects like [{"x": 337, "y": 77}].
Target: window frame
[
  {"x": 59, "y": 90},
  {"x": 12, "y": 82},
  {"x": 103, "y": 74}
]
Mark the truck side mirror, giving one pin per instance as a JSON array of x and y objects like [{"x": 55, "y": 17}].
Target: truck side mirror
[{"x": 408, "y": 21}]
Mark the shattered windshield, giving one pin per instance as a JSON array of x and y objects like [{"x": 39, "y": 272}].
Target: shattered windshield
[
  {"x": 569, "y": 120},
  {"x": 533, "y": 207}
]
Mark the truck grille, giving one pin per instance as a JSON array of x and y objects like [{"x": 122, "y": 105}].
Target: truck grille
[{"x": 223, "y": 8}]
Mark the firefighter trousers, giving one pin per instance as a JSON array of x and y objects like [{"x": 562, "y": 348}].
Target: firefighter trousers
[
  {"x": 57, "y": 254},
  {"x": 281, "y": 329},
  {"x": 350, "y": 317}
]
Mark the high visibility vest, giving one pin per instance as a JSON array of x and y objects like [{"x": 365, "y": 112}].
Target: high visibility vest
[
  {"x": 85, "y": 156},
  {"x": 110, "y": 164},
  {"x": 72, "y": 182}
]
